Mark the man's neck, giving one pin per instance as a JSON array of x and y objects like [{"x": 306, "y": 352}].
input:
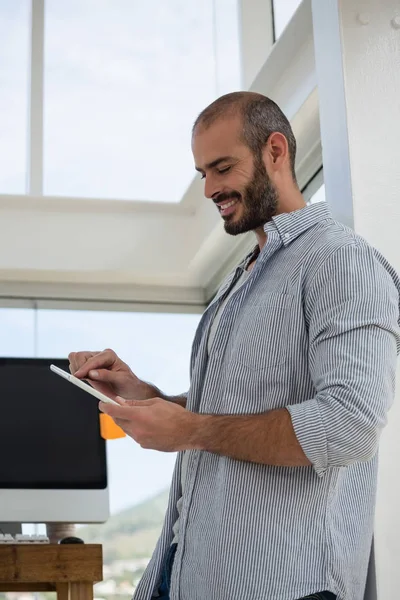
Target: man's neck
[
  {"x": 261, "y": 237},
  {"x": 297, "y": 203}
]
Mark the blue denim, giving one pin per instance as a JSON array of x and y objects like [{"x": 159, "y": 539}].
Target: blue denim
[
  {"x": 321, "y": 596},
  {"x": 165, "y": 584}
]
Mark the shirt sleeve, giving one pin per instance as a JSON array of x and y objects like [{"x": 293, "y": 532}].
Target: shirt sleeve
[{"x": 352, "y": 311}]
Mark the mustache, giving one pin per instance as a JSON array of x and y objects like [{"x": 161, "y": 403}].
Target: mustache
[{"x": 226, "y": 196}]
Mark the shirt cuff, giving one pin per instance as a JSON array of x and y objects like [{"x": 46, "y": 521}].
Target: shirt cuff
[{"x": 310, "y": 432}]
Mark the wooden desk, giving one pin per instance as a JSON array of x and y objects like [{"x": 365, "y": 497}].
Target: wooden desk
[{"x": 69, "y": 569}]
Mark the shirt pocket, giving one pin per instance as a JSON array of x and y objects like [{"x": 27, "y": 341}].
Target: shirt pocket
[{"x": 262, "y": 334}]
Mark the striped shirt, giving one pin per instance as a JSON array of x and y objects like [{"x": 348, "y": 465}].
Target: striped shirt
[
  {"x": 315, "y": 329},
  {"x": 211, "y": 335}
]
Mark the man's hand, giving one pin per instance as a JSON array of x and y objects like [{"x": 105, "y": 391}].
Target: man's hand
[
  {"x": 155, "y": 424},
  {"x": 106, "y": 372},
  {"x": 266, "y": 438}
]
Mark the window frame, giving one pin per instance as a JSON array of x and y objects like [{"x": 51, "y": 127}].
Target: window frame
[{"x": 255, "y": 42}]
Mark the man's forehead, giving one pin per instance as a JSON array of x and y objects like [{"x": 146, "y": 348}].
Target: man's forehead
[{"x": 221, "y": 138}]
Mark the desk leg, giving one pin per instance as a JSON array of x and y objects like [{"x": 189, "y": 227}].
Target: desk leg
[
  {"x": 81, "y": 591},
  {"x": 62, "y": 591}
]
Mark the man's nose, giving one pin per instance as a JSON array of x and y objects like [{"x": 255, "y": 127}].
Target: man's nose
[{"x": 211, "y": 189}]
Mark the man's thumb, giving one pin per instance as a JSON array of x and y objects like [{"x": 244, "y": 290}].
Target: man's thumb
[
  {"x": 101, "y": 375},
  {"x": 130, "y": 402}
]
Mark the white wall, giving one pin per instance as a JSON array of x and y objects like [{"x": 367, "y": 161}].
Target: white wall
[{"x": 357, "y": 46}]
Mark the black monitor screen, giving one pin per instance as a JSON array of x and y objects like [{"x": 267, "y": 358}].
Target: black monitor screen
[{"x": 50, "y": 431}]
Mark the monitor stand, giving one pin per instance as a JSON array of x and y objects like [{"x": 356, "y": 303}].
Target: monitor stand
[
  {"x": 13, "y": 528},
  {"x": 58, "y": 531}
]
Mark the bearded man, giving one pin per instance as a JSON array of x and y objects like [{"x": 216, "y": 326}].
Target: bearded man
[{"x": 292, "y": 374}]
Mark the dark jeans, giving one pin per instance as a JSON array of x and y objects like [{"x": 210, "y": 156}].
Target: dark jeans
[{"x": 165, "y": 584}]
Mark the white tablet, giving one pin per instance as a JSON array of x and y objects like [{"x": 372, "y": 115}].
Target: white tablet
[{"x": 83, "y": 385}]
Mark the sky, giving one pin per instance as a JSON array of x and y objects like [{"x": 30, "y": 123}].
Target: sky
[
  {"x": 14, "y": 35},
  {"x": 123, "y": 82},
  {"x": 283, "y": 11}
]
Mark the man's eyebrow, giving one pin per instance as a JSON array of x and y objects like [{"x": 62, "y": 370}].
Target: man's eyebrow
[{"x": 215, "y": 163}]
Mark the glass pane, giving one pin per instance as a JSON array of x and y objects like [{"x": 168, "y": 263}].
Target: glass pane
[
  {"x": 14, "y": 72},
  {"x": 319, "y": 195},
  {"x": 124, "y": 82},
  {"x": 283, "y": 12},
  {"x": 157, "y": 348},
  {"x": 17, "y": 326}
]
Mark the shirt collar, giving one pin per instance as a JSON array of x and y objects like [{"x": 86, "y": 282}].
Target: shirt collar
[{"x": 292, "y": 224}]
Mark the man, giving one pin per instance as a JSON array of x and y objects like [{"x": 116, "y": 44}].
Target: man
[{"x": 292, "y": 374}]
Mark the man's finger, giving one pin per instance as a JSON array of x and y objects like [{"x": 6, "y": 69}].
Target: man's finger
[
  {"x": 117, "y": 412},
  {"x": 128, "y": 409},
  {"x": 136, "y": 403},
  {"x": 123, "y": 424},
  {"x": 103, "y": 360},
  {"x": 76, "y": 358},
  {"x": 120, "y": 400},
  {"x": 103, "y": 375}
]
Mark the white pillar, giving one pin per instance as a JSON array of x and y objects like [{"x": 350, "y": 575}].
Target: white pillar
[
  {"x": 357, "y": 48},
  {"x": 35, "y": 156},
  {"x": 256, "y": 37}
]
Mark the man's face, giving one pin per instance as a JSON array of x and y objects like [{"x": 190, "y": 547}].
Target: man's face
[{"x": 235, "y": 179}]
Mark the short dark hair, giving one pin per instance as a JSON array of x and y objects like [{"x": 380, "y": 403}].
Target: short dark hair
[{"x": 261, "y": 116}]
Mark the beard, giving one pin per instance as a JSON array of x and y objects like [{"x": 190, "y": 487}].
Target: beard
[{"x": 259, "y": 200}]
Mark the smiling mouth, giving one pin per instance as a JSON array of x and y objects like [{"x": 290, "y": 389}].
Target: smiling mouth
[{"x": 227, "y": 207}]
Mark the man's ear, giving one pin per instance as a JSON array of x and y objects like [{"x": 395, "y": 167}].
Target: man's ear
[{"x": 276, "y": 151}]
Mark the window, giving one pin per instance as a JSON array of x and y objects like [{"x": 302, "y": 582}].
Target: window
[
  {"x": 17, "y": 326},
  {"x": 283, "y": 12},
  {"x": 14, "y": 77},
  {"x": 314, "y": 191},
  {"x": 318, "y": 196},
  {"x": 124, "y": 82},
  {"x": 157, "y": 347}
]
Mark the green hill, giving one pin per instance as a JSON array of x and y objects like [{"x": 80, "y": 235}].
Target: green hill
[{"x": 132, "y": 533}]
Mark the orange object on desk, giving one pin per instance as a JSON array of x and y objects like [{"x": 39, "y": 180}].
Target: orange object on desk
[{"x": 109, "y": 430}]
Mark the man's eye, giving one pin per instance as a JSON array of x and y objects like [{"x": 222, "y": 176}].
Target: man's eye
[
  {"x": 224, "y": 170},
  {"x": 202, "y": 176}
]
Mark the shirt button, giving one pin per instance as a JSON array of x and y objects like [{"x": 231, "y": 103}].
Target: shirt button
[{"x": 287, "y": 236}]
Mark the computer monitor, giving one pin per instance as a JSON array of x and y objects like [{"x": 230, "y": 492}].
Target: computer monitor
[{"x": 53, "y": 458}]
